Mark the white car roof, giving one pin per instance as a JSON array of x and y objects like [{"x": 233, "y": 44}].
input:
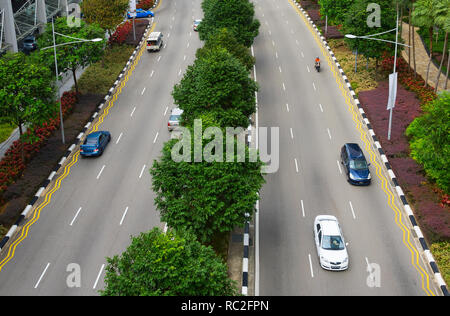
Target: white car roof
[
  {"x": 329, "y": 225},
  {"x": 177, "y": 111},
  {"x": 154, "y": 35}
]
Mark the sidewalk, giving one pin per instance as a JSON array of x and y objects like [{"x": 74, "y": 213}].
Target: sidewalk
[
  {"x": 422, "y": 59},
  {"x": 67, "y": 83}
]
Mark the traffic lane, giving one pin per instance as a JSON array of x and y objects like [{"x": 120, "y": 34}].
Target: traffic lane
[
  {"x": 115, "y": 203},
  {"x": 90, "y": 172},
  {"x": 282, "y": 32}
]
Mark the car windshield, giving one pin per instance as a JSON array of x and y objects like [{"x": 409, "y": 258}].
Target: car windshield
[
  {"x": 332, "y": 243},
  {"x": 152, "y": 42},
  {"x": 90, "y": 141},
  {"x": 29, "y": 41},
  {"x": 174, "y": 118},
  {"x": 358, "y": 164}
]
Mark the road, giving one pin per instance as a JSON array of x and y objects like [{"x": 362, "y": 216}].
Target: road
[
  {"x": 315, "y": 120},
  {"x": 105, "y": 200}
]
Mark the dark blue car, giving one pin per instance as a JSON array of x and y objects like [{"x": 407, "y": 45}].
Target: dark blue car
[
  {"x": 355, "y": 164},
  {"x": 141, "y": 13},
  {"x": 95, "y": 143}
]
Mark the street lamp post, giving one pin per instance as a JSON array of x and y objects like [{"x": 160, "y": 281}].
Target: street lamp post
[
  {"x": 79, "y": 40},
  {"x": 391, "y": 101}
]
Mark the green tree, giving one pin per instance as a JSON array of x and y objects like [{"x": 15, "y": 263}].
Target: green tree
[
  {"x": 167, "y": 264},
  {"x": 236, "y": 15},
  {"x": 106, "y": 13},
  {"x": 430, "y": 138},
  {"x": 335, "y": 10},
  {"x": 217, "y": 83},
  {"x": 208, "y": 197},
  {"x": 71, "y": 56},
  {"x": 225, "y": 39},
  {"x": 27, "y": 91},
  {"x": 356, "y": 24}
]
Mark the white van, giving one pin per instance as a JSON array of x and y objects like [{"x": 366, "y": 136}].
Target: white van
[{"x": 154, "y": 41}]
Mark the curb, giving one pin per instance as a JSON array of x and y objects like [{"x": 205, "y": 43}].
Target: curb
[
  {"x": 71, "y": 149},
  {"x": 384, "y": 159}
]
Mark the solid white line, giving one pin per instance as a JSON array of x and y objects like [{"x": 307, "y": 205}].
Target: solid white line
[
  {"x": 165, "y": 112},
  {"x": 154, "y": 141},
  {"x": 118, "y": 139},
  {"x": 142, "y": 93},
  {"x": 292, "y": 134},
  {"x": 123, "y": 216},
  {"x": 351, "y": 207},
  {"x": 98, "y": 276},
  {"x": 253, "y": 53},
  {"x": 321, "y": 109},
  {"x": 98, "y": 176},
  {"x": 142, "y": 172},
  {"x": 303, "y": 209},
  {"x": 165, "y": 228},
  {"x": 287, "y": 107},
  {"x": 329, "y": 133},
  {"x": 339, "y": 166},
  {"x": 73, "y": 220},
  {"x": 42, "y": 275},
  {"x": 310, "y": 265},
  {"x": 132, "y": 112},
  {"x": 296, "y": 165}
]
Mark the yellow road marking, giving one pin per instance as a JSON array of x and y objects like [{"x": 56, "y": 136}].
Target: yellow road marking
[
  {"x": 67, "y": 168},
  {"x": 363, "y": 135}
]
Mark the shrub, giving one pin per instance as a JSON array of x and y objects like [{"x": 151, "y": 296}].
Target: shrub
[
  {"x": 145, "y": 4},
  {"x": 121, "y": 33}
]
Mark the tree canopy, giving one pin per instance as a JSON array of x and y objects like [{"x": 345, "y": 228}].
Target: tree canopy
[
  {"x": 225, "y": 39},
  {"x": 73, "y": 55},
  {"x": 206, "y": 197},
  {"x": 27, "y": 91},
  {"x": 219, "y": 83},
  {"x": 235, "y": 15},
  {"x": 167, "y": 264},
  {"x": 106, "y": 13},
  {"x": 430, "y": 139}
]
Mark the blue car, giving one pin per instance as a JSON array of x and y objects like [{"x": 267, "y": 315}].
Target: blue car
[
  {"x": 141, "y": 13},
  {"x": 355, "y": 164},
  {"x": 95, "y": 143}
]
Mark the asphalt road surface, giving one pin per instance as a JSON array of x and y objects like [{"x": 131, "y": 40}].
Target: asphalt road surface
[
  {"x": 105, "y": 200},
  {"x": 314, "y": 121}
]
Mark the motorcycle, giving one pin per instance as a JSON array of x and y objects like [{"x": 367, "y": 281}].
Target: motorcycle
[{"x": 317, "y": 66}]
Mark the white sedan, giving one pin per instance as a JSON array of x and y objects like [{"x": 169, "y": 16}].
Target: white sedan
[{"x": 330, "y": 244}]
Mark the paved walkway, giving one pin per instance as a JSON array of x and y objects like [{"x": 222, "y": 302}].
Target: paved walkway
[{"x": 422, "y": 59}]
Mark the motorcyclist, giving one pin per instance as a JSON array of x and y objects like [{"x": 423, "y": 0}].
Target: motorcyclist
[{"x": 317, "y": 61}]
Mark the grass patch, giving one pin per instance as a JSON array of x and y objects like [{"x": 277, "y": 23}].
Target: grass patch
[
  {"x": 99, "y": 77},
  {"x": 5, "y": 131},
  {"x": 441, "y": 253},
  {"x": 365, "y": 78}
]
